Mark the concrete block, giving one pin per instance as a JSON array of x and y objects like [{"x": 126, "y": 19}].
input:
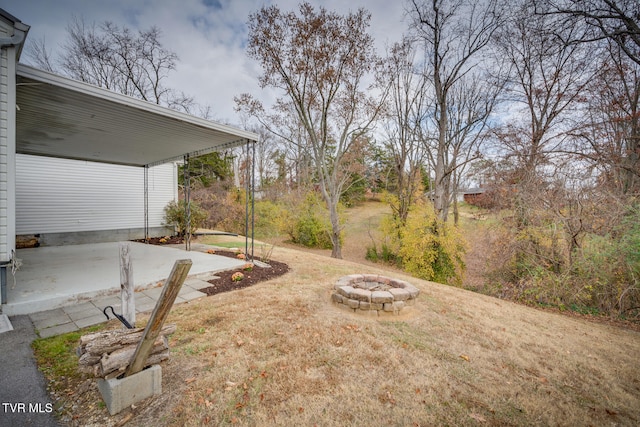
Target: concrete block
[
  {"x": 190, "y": 296},
  {"x": 71, "y": 310},
  {"x": 94, "y": 319},
  {"x": 57, "y": 330},
  {"x": 83, "y": 314},
  {"x": 57, "y": 320},
  {"x": 119, "y": 394}
]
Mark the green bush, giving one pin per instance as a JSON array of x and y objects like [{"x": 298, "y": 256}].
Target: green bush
[
  {"x": 268, "y": 217},
  {"x": 601, "y": 275},
  {"x": 307, "y": 222},
  {"x": 607, "y": 269},
  {"x": 431, "y": 249},
  {"x": 371, "y": 254},
  {"x": 424, "y": 246},
  {"x": 175, "y": 215}
]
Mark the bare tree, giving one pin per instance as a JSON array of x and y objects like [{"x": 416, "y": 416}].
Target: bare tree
[
  {"x": 319, "y": 60},
  {"x": 548, "y": 79},
  {"x": 37, "y": 51},
  {"x": 471, "y": 103},
  {"x": 118, "y": 59},
  {"x": 454, "y": 33},
  {"x": 616, "y": 20},
  {"x": 612, "y": 123},
  {"x": 406, "y": 109}
]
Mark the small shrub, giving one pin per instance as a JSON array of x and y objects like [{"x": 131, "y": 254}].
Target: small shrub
[
  {"x": 237, "y": 276},
  {"x": 388, "y": 255},
  {"x": 307, "y": 222},
  {"x": 268, "y": 217},
  {"x": 175, "y": 215},
  {"x": 266, "y": 251},
  {"x": 372, "y": 254}
]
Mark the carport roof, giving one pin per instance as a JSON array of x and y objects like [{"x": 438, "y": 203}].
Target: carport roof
[{"x": 60, "y": 117}]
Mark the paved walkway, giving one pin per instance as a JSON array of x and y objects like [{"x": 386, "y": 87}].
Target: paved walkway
[
  {"x": 71, "y": 318},
  {"x": 25, "y": 401}
]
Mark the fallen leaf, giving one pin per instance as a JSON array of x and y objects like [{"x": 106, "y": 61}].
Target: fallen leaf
[
  {"x": 465, "y": 357},
  {"x": 478, "y": 418}
]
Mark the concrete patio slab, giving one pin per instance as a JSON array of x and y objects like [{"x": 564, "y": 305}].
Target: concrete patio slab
[{"x": 53, "y": 277}]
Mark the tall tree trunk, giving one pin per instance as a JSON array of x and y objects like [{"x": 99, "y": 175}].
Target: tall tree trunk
[{"x": 336, "y": 251}]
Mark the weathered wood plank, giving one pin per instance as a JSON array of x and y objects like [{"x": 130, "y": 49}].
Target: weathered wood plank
[
  {"x": 127, "y": 288},
  {"x": 159, "y": 315}
]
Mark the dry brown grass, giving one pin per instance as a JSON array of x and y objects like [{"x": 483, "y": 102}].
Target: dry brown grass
[{"x": 280, "y": 353}]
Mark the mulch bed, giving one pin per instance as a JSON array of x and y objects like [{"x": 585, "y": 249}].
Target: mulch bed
[
  {"x": 168, "y": 240},
  {"x": 256, "y": 275}
]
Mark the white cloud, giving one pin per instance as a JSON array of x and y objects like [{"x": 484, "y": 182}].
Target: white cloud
[{"x": 209, "y": 36}]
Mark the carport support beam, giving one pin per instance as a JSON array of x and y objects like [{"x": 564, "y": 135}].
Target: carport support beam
[
  {"x": 187, "y": 203},
  {"x": 3, "y": 284},
  {"x": 146, "y": 203},
  {"x": 250, "y": 197}
]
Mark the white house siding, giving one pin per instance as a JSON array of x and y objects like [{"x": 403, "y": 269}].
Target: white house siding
[
  {"x": 7, "y": 150},
  {"x": 66, "y": 196}
]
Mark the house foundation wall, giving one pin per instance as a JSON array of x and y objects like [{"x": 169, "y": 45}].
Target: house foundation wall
[{"x": 83, "y": 237}]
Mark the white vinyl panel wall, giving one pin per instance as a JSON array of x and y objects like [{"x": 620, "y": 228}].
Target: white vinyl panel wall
[
  {"x": 61, "y": 195},
  {"x": 7, "y": 150}
]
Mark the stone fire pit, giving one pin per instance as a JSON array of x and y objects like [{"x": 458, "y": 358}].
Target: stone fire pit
[{"x": 373, "y": 294}]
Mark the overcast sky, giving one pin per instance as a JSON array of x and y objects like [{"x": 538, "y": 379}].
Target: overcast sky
[{"x": 209, "y": 36}]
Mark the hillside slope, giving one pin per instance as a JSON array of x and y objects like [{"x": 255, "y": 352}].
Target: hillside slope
[{"x": 279, "y": 353}]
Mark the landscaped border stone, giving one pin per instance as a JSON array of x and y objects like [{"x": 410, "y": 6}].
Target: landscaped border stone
[{"x": 373, "y": 294}]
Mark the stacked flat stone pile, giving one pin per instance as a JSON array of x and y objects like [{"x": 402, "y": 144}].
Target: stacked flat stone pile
[{"x": 373, "y": 294}]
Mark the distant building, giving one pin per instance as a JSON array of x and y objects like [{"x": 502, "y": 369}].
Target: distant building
[{"x": 473, "y": 196}]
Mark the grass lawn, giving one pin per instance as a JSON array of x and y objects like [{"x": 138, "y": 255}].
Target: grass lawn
[{"x": 279, "y": 353}]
